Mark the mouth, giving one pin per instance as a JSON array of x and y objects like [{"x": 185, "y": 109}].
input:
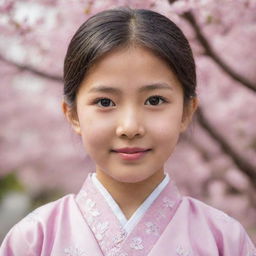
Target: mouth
[
  {"x": 130, "y": 150},
  {"x": 131, "y": 153}
]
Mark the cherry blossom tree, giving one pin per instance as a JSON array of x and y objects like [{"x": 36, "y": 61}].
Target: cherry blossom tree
[{"x": 214, "y": 161}]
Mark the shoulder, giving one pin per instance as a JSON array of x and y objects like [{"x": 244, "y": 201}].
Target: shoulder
[
  {"x": 29, "y": 234},
  {"x": 206, "y": 211},
  {"x": 228, "y": 234},
  {"x": 215, "y": 219},
  {"x": 48, "y": 212}
]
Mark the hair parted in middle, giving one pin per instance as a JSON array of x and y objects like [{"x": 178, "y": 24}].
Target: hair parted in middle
[{"x": 124, "y": 27}]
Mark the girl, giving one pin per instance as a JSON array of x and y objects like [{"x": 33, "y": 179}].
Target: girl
[{"x": 129, "y": 92}]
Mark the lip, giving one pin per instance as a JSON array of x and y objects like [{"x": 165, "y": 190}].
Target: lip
[
  {"x": 131, "y": 153},
  {"x": 131, "y": 150}
]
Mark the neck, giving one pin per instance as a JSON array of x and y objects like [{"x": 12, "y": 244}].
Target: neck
[{"x": 129, "y": 196}]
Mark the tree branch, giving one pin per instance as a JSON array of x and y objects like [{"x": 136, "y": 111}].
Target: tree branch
[
  {"x": 238, "y": 160},
  {"x": 211, "y": 53},
  {"x": 219, "y": 176},
  {"x": 31, "y": 70}
]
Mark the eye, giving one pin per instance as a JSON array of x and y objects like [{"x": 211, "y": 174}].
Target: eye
[
  {"x": 104, "y": 102},
  {"x": 155, "y": 100}
]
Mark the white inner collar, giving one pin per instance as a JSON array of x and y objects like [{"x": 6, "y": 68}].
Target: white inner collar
[{"x": 128, "y": 225}]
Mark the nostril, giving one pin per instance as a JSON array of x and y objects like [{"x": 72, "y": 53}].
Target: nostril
[{"x": 130, "y": 131}]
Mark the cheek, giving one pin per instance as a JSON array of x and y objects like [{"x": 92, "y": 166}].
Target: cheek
[
  {"x": 95, "y": 131},
  {"x": 165, "y": 135},
  {"x": 166, "y": 126}
]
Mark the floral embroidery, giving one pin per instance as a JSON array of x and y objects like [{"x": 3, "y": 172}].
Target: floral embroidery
[
  {"x": 91, "y": 210},
  {"x": 168, "y": 203},
  {"x": 83, "y": 192},
  {"x": 100, "y": 229},
  {"x": 136, "y": 243},
  {"x": 120, "y": 237},
  {"x": 89, "y": 204},
  {"x": 103, "y": 243},
  {"x": 160, "y": 214},
  {"x": 111, "y": 236},
  {"x": 152, "y": 228},
  {"x": 116, "y": 252},
  {"x": 180, "y": 250},
  {"x": 74, "y": 251}
]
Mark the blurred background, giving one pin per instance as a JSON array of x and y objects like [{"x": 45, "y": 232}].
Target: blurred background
[{"x": 41, "y": 159}]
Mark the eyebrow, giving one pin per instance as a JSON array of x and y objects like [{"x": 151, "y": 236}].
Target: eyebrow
[{"x": 149, "y": 87}]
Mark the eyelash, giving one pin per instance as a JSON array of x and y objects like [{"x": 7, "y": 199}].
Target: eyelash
[{"x": 98, "y": 100}]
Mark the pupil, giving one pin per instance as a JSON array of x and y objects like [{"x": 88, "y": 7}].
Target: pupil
[
  {"x": 105, "y": 102},
  {"x": 154, "y": 100}
]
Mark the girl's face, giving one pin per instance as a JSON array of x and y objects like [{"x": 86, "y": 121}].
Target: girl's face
[{"x": 130, "y": 114}]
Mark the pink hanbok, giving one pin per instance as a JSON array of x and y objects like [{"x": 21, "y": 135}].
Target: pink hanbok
[{"x": 87, "y": 224}]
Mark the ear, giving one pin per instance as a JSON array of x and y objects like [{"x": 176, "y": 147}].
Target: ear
[
  {"x": 188, "y": 112},
  {"x": 72, "y": 117}
]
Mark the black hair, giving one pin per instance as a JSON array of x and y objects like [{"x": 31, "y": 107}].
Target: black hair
[{"x": 120, "y": 27}]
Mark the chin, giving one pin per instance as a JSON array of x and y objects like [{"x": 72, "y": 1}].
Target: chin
[{"x": 129, "y": 178}]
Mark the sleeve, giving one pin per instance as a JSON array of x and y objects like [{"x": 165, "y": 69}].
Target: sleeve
[
  {"x": 14, "y": 244},
  {"x": 24, "y": 239},
  {"x": 236, "y": 242},
  {"x": 229, "y": 236},
  {"x": 247, "y": 248}
]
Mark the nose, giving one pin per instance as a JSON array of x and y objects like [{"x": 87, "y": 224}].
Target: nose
[{"x": 130, "y": 124}]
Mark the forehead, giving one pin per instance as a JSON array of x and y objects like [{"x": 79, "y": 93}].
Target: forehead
[
  {"x": 129, "y": 67},
  {"x": 135, "y": 54}
]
